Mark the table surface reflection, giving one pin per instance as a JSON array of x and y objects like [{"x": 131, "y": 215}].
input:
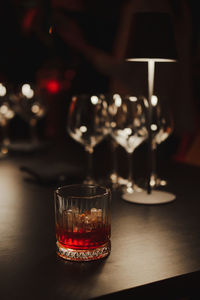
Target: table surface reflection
[{"x": 152, "y": 246}]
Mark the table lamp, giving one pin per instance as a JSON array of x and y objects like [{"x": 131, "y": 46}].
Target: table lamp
[{"x": 151, "y": 40}]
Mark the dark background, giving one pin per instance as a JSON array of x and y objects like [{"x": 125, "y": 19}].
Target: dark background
[{"x": 29, "y": 54}]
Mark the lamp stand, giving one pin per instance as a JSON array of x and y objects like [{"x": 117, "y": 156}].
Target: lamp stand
[
  {"x": 150, "y": 196},
  {"x": 151, "y": 71}
]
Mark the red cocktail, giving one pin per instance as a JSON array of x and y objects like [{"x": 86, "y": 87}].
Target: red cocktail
[{"x": 83, "y": 234}]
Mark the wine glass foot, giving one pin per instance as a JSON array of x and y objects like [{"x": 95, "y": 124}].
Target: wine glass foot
[
  {"x": 155, "y": 197},
  {"x": 122, "y": 181},
  {"x": 3, "y": 152},
  {"x": 130, "y": 187},
  {"x": 114, "y": 181}
]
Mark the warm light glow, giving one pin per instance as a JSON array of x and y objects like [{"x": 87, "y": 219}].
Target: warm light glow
[
  {"x": 27, "y": 91},
  {"x": 53, "y": 86},
  {"x": 35, "y": 108},
  {"x": 154, "y": 127},
  {"x": 2, "y": 90},
  {"x": 4, "y": 109},
  {"x": 136, "y": 122},
  {"x": 146, "y": 103},
  {"x": 102, "y": 96},
  {"x": 4, "y": 150},
  {"x": 94, "y": 100},
  {"x": 30, "y": 94},
  {"x": 161, "y": 136},
  {"x": 133, "y": 98},
  {"x": 130, "y": 190},
  {"x": 151, "y": 59},
  {"x": 10, "y": 114},
  {"x": 83, "y": 129},
  {"x": 26, "y": 88},
  {"x": 152, "y": 182},
  {"x": 128, "y": 131},
  {"x": 163, "y": 182},
  {"x": 154, "y": 100},
  {"x": 50, "y": 29},
  {"x": 113, "y": 124},
  {"x": 118, "y": 100}
]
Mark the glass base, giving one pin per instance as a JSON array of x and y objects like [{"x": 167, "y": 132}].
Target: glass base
[
  {"x": 156, "y": 197},
  {"x": 83, "y": 255},
  {"x": 3, "y": 151},
  {"x": 113, "y": 181},
  {"x": 116, "y": 181},
  {"x": 131, "y": 188}
]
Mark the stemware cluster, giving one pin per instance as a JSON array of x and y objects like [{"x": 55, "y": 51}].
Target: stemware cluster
[
  {"x": 6, "y": 114},
  {"x": 123, "y": 118},
  {"x": 27, "y": 103}
]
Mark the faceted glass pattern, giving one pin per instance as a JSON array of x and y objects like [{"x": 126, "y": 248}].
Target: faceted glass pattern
[{"x": 82, "y": 222}]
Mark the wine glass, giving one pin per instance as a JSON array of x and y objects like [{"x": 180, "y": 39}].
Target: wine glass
[
  {"x": 88, "y": 124},
  {"x": 128, "y": 128},
  {"x": 29, "y": 105},
  {"x": 161, "y": 128},
  {"x": 114, "y": 179},
  {"x": 6, "y": 114}
]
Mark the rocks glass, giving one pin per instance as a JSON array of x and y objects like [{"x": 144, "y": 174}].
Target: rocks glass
[{"x": 83, "y": 222}]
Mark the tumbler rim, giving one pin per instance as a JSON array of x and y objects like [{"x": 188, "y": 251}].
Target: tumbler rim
[{"x": 103, "y": 194}]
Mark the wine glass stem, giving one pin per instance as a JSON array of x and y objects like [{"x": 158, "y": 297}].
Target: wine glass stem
[
  {"x": 114, "y": 146},
  {"x": 151, "y": 71},
  {"x": 89, "y": 152},
  {"x": 5, "y": 138},
  {"x": 153, "y": 159},
  {"x": 130, "y": 169},
  {"x": 33, "y": 131}
]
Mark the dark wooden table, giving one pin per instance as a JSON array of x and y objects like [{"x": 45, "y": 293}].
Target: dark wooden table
[{"x": 155, "y": 249}]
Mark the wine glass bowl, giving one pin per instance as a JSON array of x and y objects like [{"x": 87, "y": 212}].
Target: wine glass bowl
[{"x": 83, "y": 126}]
